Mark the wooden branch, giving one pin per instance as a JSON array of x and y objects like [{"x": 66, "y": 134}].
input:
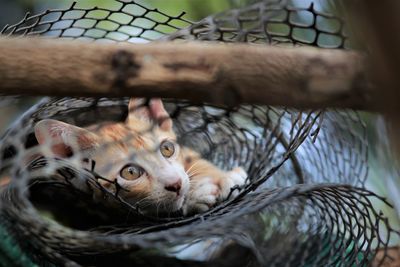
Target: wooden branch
[
  {"x": 384, "y": 38},
  {"x": 217, "y": 73},
  {"x": 377, "y": 26}
]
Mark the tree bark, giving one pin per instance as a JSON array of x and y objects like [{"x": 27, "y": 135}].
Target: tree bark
[
  {"x": 379, "y": 22},
  {"x": 202, "y": 72}
]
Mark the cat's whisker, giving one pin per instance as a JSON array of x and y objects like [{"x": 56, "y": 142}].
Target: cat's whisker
[
  {"x": 158, "y": 202},
  {"x": 195, "y": 174},
  {"x": 148, "y": 205},
  {"x": 165, "y": 207},
  {"x": 196, "y": 171},
  {"x": 195, "y": 168},
  {"x": 142, "y": 200},
  {"x": 191, "y": 167}
]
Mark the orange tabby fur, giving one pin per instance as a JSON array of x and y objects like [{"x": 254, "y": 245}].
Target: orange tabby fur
[{"x": 184, "y": 180}]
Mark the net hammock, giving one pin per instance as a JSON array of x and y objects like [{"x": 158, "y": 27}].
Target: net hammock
[{"x": 304, "y": 202}]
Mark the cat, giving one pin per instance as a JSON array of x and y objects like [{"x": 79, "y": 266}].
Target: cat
[{"x": 143, "y": 156}]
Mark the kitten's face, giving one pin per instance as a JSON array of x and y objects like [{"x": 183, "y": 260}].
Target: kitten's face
[
  {"x": 147, "y": 165},
  {"x": 142, "y": 157}
]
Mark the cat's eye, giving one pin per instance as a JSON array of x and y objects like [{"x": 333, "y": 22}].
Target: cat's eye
[
  {"x": 167, "y": 149},
  {"x": 131, "y": 172}
]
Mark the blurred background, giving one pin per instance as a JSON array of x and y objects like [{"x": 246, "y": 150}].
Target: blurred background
[{"x": 383, "y": 177}]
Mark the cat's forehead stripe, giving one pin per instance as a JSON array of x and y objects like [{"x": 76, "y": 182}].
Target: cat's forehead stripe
[{"x": 123, "y": 137}]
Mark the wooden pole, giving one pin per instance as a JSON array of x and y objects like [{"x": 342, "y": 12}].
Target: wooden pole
[{"x": 203, "y": 72}]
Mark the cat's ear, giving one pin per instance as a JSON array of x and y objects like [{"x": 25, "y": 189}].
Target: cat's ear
[
  {"x": 155, "y": 111},
  {"x": 64, "y": 138},
  {"x": 160, "y": 115},
  {"x": 137, "y": 110}
]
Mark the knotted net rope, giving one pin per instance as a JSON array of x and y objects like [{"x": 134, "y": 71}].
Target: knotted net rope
[{"x": 304, "y": 202}]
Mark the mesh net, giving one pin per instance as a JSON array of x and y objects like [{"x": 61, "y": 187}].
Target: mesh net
[{"x": 303, "y": 203}]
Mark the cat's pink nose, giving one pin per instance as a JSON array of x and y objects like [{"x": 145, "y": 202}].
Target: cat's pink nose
[{"x": 175, "y": 187}]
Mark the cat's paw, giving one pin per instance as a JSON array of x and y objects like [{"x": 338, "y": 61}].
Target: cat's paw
[
  {"x": 207, "y": 192},
  {"x": 202, "y": 197},
  {"x": 235, "y": 177}
]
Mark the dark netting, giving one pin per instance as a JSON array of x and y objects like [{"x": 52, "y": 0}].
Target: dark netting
[
  {"x": 303, "y": 203},
  {"x": 117, "y": 20}
]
